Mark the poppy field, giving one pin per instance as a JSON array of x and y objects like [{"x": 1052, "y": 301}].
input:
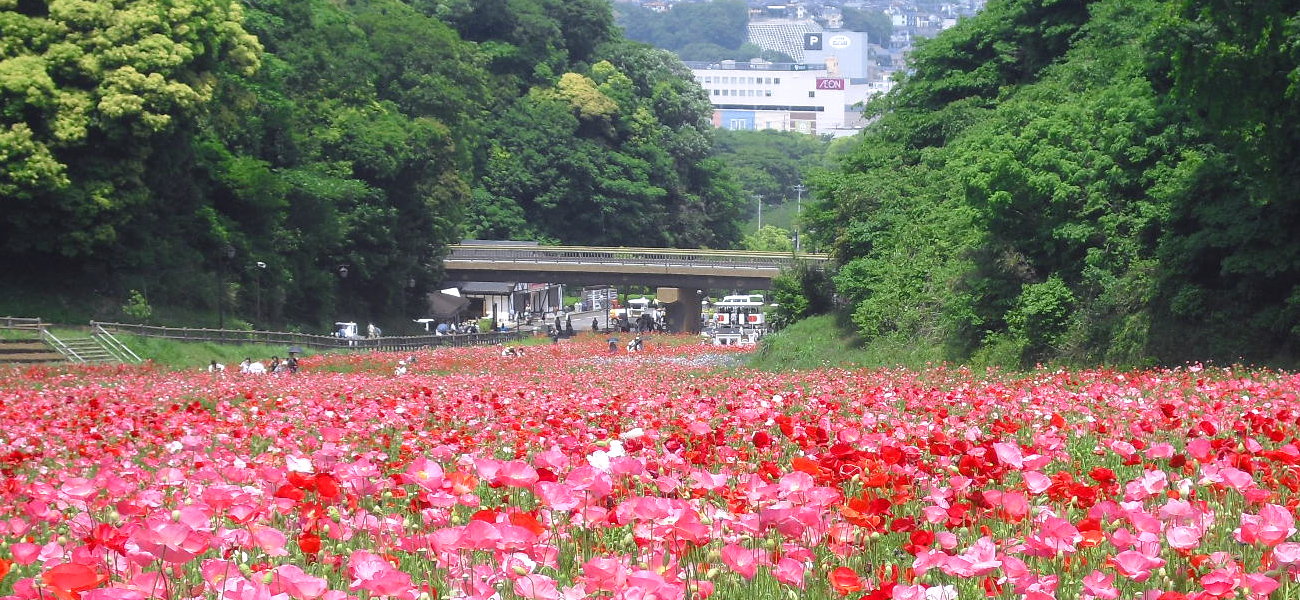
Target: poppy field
[{"x": 570, "y": 473}]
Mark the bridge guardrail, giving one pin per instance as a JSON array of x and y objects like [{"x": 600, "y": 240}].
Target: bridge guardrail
[{"x": 643, "y": 256}]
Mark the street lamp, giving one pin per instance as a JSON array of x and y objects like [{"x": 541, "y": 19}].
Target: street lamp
[
  {"x": 343, "y": 271},
  {"x": 759, "y": 198},
  {"x": 261, "y": 266}
]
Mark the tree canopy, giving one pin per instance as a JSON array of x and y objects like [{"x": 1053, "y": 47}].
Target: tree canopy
[
  {"x": 173, "y": 147},
  {"x": 1081, "y": 180}
]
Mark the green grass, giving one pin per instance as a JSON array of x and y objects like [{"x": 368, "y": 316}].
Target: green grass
[
  {"x": 181, "y": 354},
  {"x": 823, "y": 341}
]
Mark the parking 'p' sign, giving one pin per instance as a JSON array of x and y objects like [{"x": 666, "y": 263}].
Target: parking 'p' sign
[{"x": 812, "y": 41}]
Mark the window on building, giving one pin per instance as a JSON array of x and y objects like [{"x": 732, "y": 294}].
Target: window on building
[
  {"x": 776, "y": 80},
  {"x": 739, "y": 124},
  {"x": 708, "y": 80},
  {"x": 812, "y": 94},
  {"x": 767, "y": 93},
  {"x": 715, "y": 92}
]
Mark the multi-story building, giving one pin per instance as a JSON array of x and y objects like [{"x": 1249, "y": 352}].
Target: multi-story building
[
  {"x": 808, "y": 98},
  {"x": 822, "y": 95}
]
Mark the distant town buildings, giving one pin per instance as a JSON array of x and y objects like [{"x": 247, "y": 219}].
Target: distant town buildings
[{"x": 834, "y": 70}]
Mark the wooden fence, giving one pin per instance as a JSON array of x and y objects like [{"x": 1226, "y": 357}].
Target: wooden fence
[{"x": 315, "y": 342}]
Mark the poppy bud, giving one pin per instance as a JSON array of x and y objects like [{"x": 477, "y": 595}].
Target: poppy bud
[
  {"x": 520, "y": 570},
  {"x": 267, "y": 577},
  {"x": 325, "y": 528},
  {"x": 713, "y": 556},
  {"x": 791, "y": 594},
  {"x": 114, "y": 516},
  {"x": 176, "y": 515},
  {"x": 246, "y": 570},
  {"x": 63, "y": 540},
  {"x": 711, "y": 574},
  {"x": 602, "y": 443},
  {"x": 629, "y": 539}
]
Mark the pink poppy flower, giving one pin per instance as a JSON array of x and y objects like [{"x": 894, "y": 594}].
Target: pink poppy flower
[
  {"x": 1287, "y": 553},
  {"x": 536, "y": 587},
  {"x": 1183, "y": 537},
  {"x": 517, "y": 473},
  {"x": 1136, "y": 565},
  {"x": 424, "y": 473},
  {"x": 481, "y": 536},
  {"x": 789, "y": 571},
  {"x": 604, "y": 574},
  {"x": 1009, "y": 455},
  {"x": 740, "y": 559},
  {"x": 908, "y": 592},
  {"x": 292, "y": 580},
  {"x": 1219, "y": 582},
  {"x": 1259, "y": 585},
  {"x": 269, "y": 539},
  {"x": 1100, "y": 585},
  {"x": 1036, "y": 482}
]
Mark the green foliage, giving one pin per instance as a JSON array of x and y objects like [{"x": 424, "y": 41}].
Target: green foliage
[
  {"x": 769, "y": 239},
  {"x": 771, "y": 163},
  {"x": 721, "y": 22},
  {"x": 1040, "y": 315},
  {"x": 801, "y": 292},
  {"x": 1074, "y": 180},
  {"x": 137, "y": 307},
  {"x": 175, "y": 146},
  {"x": 876, "y": 24}
]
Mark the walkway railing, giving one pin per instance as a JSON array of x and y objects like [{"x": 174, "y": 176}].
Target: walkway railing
[
  {"x": 110, "y": 342},
  {"x": 25, "y": 323},
  {"x": 306, "y": 340},
  {"x": 665, "y": 257}
]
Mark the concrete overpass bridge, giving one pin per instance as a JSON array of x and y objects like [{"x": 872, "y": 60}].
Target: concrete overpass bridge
[{"x": 691, "y": 272}]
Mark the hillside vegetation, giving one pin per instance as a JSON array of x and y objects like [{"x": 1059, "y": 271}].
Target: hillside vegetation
[
  {"x": 1103, "y": 181},
  {"x": 291, "y": 161}
]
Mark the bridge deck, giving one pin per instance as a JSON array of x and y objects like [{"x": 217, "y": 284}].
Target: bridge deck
[{"x": 583, "y": 265}]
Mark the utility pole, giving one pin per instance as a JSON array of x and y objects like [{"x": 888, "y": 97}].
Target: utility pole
[
  {"x": 798, "y": 210},
  {"x": 759, "y": 197}
]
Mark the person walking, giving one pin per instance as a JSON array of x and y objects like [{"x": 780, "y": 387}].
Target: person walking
[{"x": 595, "y": 325}]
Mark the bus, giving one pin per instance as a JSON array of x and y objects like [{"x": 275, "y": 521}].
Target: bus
[{"x": 744, "y": 310}]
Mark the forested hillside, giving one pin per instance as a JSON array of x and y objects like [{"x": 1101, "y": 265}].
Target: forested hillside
[
  {"x": 1109, "y": 180},
  {"x": 294, "y": 160}
]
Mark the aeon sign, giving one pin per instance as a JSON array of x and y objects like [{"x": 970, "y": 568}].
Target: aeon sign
[
  {"x": 828, "y": 83},
  {"x": 840, "y": 41}
]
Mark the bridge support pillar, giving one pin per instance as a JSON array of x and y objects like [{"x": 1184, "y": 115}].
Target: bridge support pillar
[{"x": 683, "y": 305}]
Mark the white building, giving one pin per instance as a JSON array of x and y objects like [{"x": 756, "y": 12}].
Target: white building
[{"x": 814, "y": 98}]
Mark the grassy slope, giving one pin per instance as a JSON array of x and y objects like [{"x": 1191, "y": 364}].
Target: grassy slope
[
  {"x": 178, "y": 354},
  {"x": 821, "y": 341}
]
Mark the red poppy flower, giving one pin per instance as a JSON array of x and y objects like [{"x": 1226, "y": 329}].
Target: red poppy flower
[
  {"x": 845, "y": 580},
  {"x": 327, "y": 486},
  {"x": 309, "y": 543},
  {"x": 69, "y": 580}
]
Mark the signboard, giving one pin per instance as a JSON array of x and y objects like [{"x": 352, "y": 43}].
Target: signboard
[
  {"x": 812, "y": 41},
  {"x": 840, "y": 41},
  {"x": 830, "y": 83}
]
